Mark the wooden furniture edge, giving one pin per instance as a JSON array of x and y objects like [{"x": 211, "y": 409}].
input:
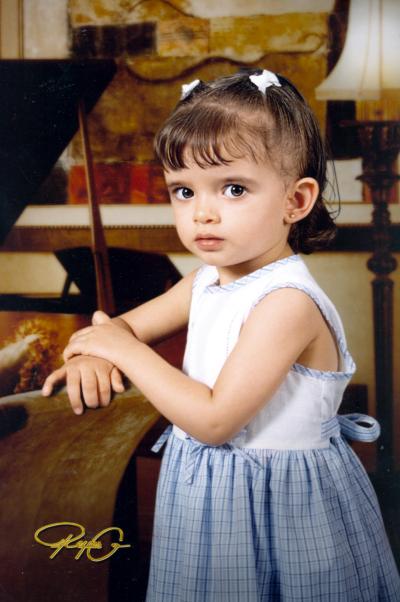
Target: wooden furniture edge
[{"x": 160, "y": 238}]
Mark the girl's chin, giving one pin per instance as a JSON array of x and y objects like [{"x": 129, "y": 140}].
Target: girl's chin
[{"x": 210, "y": 258}]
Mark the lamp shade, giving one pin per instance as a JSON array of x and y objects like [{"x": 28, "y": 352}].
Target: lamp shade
[{"x": 368, "y": 67}]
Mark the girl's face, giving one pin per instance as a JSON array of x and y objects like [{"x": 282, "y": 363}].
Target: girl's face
[{"x": 231, "y": 216}]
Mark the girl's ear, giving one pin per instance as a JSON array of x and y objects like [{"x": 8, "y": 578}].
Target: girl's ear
[{"x": 301, "y": 199}]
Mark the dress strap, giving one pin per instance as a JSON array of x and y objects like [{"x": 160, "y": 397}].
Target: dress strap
[
  {"x": 162, "y": 439},
  {"x": 357, "y": 427}
]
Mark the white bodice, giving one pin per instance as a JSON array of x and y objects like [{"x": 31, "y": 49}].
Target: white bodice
[{"x": 293, "y": 417}]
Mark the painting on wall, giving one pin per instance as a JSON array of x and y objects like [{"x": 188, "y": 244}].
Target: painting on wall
[{"x": 156, "y": 51}]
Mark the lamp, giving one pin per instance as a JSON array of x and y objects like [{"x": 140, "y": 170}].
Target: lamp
[
  {"x": 368, "y": 68},
  {"x": 368, "y": 73}
]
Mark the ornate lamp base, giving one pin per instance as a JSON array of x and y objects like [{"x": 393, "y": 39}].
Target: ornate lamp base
[{"x": 380, "y": 144}]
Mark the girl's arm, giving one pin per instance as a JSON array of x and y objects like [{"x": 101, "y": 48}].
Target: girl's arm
[
  {"x": 279, "y": 329},
  {"x": 92, "y": 379}
]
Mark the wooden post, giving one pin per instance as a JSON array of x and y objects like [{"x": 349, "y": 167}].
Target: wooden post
[{"x": 105, "y": 297}]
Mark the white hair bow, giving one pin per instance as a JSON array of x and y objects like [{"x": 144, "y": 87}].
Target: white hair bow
[
  {"x": 187, "y": 88},
  {"x": 264, "y": 80}
]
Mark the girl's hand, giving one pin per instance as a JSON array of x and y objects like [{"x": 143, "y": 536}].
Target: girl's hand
[
  {"x": 90, "y": 381},
  {"x": 105, "y": 340}
]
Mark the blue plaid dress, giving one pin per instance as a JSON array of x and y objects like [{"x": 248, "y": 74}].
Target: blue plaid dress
[{"x": 284, "y": 511}]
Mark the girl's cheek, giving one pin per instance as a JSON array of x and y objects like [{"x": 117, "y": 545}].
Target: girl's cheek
[
  {"x": 183, "y": 230},
  {"x": 183, "y": 220}
]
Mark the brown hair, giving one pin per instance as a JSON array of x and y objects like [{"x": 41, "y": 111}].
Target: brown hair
[{"x": 230, "y": 118}]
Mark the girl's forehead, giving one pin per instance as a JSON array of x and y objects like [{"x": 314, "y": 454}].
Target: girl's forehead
[
  {"x": 226, "y": 154},
  {"x": 244, "y": 168}
]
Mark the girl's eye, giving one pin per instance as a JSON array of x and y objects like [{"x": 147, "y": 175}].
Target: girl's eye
[
  {"x": 183, "y": 193},
  {"x": 234, "y": 190}
]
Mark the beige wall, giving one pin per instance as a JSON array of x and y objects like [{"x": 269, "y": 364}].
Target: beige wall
[
  {"x": 347, "y": 281},
  {"x": 31, "y": 273}
]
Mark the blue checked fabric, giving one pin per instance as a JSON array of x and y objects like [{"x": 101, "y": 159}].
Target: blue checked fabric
[{"x": 242, "y": 525}]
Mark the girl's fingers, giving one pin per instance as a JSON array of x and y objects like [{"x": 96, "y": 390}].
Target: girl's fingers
[
  {"x": 116, "y": 380},
  {"x": 89, "y": 388},
  {"x": 104, "y": 388},
  {"x": 74, "y": 390},
  {"x": 66, "y": 354},
  {"x": 99, "y": 317},
  {"x": 71, "y": 350},
  {"x": 85, "y": 386},
  {"x": 79, "y": 344},
  {"x": 78, "y": 333},
  {"x": 53, "y": 379}
]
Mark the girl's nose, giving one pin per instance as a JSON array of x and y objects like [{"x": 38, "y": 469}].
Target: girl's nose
[{"x": 205, "y": 214}]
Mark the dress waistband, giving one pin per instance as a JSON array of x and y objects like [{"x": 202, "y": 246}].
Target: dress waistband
[
  {"x": 196, "y": 449},
  {"x": 357, "y": 427}
]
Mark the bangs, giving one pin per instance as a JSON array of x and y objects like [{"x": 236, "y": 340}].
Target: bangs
[{"x": 209, "y": 135}]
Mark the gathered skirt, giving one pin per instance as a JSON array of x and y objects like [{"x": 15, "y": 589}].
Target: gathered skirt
[{"x": 247, "y": 525}]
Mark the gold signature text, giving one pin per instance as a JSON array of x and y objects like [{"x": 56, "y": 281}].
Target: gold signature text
[{"x": 76, "y": 541}]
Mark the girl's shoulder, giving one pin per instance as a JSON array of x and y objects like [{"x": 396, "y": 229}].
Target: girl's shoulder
[
  {"x": 287, "y": 273},
  {"x": 296, "y": 275},
  {"x": 292, "y": 272}
]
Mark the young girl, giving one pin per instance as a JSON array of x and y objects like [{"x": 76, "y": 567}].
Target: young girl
[{"x": 260, "y": 498}]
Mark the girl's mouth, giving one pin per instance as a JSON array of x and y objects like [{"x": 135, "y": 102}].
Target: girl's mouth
[{"x": 208, "y": 243}]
